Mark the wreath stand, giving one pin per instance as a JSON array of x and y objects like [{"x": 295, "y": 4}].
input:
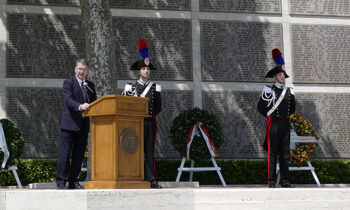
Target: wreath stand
[
  {"x": 196, "y": 130},
  {"x": 4, "y": 149},
  {"x": 300, "y": 139}
]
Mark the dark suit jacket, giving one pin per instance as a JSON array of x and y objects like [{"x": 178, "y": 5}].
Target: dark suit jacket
[{"x": 73, "y": 97}]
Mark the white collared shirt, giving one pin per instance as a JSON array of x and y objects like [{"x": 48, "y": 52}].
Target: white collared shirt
[{"x": 79, "y": 80}]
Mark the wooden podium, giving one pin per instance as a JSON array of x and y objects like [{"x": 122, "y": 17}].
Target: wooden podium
[{"x": 117, "y": 156}]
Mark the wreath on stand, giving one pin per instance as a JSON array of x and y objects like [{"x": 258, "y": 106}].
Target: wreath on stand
[
  {"x": 14, "y": 141},
  {"x": 180, "y": 129},
  {"x": 302, "y": 151}
]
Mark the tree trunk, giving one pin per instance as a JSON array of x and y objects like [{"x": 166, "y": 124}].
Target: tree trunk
[
  {"x": 97, "y": 25},
  {"x": 98, "y": 28}
]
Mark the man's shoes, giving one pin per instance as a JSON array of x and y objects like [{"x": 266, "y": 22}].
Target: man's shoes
[
  {"x": 75, "y": 185},
  {"x": 61, "y": 186},
  {"x": 272, "y": 185},
  {"x": 154, "y": 184},
  {"x": 287, "y": 185}
]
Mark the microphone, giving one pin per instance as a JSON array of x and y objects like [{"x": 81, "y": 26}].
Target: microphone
[{"x": 86, "y": 85}]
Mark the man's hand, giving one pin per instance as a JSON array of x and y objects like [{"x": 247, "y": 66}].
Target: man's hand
[{"x": 84, "y": 107}]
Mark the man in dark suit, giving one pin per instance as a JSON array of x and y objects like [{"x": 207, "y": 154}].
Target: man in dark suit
[{"x": 77, "y": 94}]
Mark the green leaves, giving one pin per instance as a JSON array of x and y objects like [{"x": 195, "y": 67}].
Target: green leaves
[
  {"x": 255, "y": 172},
  {"x": 234, "y": 171},
  {"x": 30, "y": 171}
]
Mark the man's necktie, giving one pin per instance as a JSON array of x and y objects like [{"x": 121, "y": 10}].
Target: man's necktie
[{"x": 85, "y": 94}]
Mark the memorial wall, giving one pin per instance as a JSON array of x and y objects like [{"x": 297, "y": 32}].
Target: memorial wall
[{"x": 212, "y": 54}]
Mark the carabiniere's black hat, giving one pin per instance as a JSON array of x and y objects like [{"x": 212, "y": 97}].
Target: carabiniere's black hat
[
  {"x": 142, "y": 47},
  {"x": 276, "y": 70},
  {"x": 277, "y": 57},
  {"x": 142, "y": 63}
]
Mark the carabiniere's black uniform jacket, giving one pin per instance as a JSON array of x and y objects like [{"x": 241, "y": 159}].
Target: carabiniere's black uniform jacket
[
  {"x": 155, "y": 102},
  {"x": 271, "y": 94}
]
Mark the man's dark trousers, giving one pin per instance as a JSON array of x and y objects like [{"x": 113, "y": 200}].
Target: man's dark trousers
[{"x": 72, "y": 145}]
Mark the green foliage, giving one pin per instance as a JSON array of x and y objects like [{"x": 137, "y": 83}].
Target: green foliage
[
  {"x": 37, "y": 171},
  {"x": 255, "y": 172},
  {"x": 30, "y": 171},
  {"x": 14, "y": 142},
  {"x": 332, "y": 172},
  {"x": 182, "y": 125},
  {"x": 234, "y": 172}
]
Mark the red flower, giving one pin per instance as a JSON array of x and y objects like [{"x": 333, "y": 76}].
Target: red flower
[
  {"x": 297, "y": 114},
  {"x": 311, "y": 144}
]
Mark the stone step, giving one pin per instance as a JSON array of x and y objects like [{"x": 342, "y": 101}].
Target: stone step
[
  {"x": 203, "y": 198},
  {"x": 52, "y": 185}
]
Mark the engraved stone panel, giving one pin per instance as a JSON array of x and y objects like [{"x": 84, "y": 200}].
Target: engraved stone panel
[
  {"x": 242, "y": 125},
  {"x": 238, "y": 51},
  {"x": 123, "y": 4},
  {"x": 37, "y": 113},
  {"x": 46, "y": 2},
  {"x": 251, "y": 6},
  {"x": 321, "y": 53},
  {"x": 173, "y": 103},
  {"x": 329, "y": 114},
  {"x": 170, "y": 47},
  {"x": 153, "y": 4},
  {"x": 317, "y": 7},
  {"x": 43, "y": 46}
]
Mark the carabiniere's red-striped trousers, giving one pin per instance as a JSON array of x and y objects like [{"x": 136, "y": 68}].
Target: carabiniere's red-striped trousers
[{"x": 278, "y": 144}]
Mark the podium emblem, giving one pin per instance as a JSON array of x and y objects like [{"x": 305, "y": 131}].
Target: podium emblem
[{"x": 129, "y": 141}]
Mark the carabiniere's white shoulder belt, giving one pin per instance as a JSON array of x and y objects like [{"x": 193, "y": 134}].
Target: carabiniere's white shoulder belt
[
  {"x": 147, "y": 89},
  {"x": 278, "y": 101}
]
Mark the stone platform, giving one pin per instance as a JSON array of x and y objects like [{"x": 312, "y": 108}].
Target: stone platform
[{"x": 332, "y": 197}]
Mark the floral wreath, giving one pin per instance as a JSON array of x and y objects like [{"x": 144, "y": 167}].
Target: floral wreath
[
  {"x": 302, "y": 151},
  {"x": 180, "y": 129}
]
